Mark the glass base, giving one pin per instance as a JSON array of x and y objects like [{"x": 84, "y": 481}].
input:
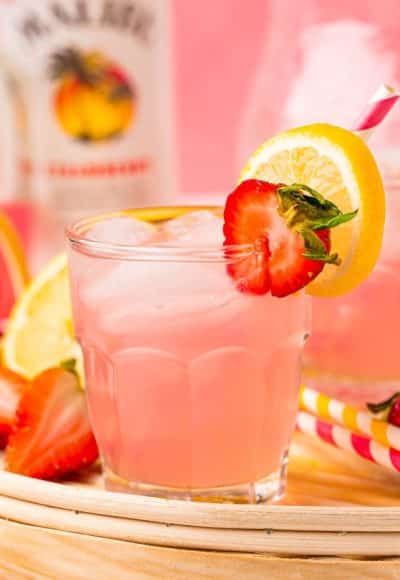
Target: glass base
[{"x": 267, "y": 490}]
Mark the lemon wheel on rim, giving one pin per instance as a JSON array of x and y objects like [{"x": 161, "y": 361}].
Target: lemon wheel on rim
[{"x": 339, "y": 165}]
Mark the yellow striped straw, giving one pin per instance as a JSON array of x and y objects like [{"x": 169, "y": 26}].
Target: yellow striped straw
[{"x": 361, "y": 421}]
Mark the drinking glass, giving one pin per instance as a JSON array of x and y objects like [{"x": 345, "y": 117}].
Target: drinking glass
[{"x": 192, "y": 384}]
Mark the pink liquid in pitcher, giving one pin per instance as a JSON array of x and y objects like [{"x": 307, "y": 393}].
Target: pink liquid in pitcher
[{"x": 353, "y": 351}]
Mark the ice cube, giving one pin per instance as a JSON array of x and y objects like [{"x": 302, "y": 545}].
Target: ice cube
[
  {"x": 166, "y": 283},
  {"x": 155, "y": 281},
  {"x": 199, "y": 228},
  {"x": 123, "y": 230},
  {"x": 135, "y": 295},
  {"x": 160, "y": 304}
]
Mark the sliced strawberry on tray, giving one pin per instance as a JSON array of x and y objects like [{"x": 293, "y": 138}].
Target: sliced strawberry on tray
[
  {"x": 11, "y": 388},
  {"x": 288, "y": 229},
  {"x": 52, "y": 434}
]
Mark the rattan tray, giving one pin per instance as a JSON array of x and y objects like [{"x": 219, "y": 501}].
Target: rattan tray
[{"x": 341, "y": 518}]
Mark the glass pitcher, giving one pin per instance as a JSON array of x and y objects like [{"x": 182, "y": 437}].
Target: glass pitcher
[{"x": 322, "y": 64}]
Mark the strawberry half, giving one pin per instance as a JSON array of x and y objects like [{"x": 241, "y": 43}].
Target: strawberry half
[
  {"x": 288, "y": 227},
  {"x": 52, "y": 434},
  {"x": 290, "y": 270},
  {"x": 247, "y": 219},
  {"x": 11, "y": 388}
]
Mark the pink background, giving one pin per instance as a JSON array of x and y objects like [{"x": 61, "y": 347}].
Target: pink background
[{"x": 217, "y": 44}]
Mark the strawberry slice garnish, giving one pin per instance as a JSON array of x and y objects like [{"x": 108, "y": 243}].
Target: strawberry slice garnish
[
  {"x": 52, "y": 434},
  {"x": 11, "y": 388},
  {"x": 288, "y": 229},
  {"x": 290, "y": 270},
  {"x": 249, "y": 211}
]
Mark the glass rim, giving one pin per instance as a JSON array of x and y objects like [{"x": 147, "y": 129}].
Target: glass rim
[{"x": 75, "y": 234}]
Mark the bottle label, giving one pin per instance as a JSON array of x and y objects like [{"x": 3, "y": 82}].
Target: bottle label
[{"x": 88, "y": 74}]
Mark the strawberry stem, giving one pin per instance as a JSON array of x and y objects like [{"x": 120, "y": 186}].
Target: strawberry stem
[
  {"x": 383, "y": 405},
  {"x": 307, "y": 211}
]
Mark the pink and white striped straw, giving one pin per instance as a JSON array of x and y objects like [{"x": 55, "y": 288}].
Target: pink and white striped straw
[
  {"x": 350, "y": 417},
  {"x": 343, "y": 438},
  {"x": 376, "y": 111}
]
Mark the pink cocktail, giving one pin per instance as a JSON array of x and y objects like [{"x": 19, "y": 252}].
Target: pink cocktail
[{"x": 192, "y": 384}]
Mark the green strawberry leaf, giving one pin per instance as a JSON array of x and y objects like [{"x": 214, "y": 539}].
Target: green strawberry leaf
[
  {"x": 330, "y": 223},
  {"x": 383, "y": 405},
  {"x": 306, "y": 191},
  {"x": 306, "y": 211},
  {"x": 315, "y": 249},
  {"x": 327, "y": 258}
]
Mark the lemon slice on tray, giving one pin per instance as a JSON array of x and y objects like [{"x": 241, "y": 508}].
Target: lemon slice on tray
[
  {"x": 39, "y": 333},
  {"x": 340, "y": 166}
]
